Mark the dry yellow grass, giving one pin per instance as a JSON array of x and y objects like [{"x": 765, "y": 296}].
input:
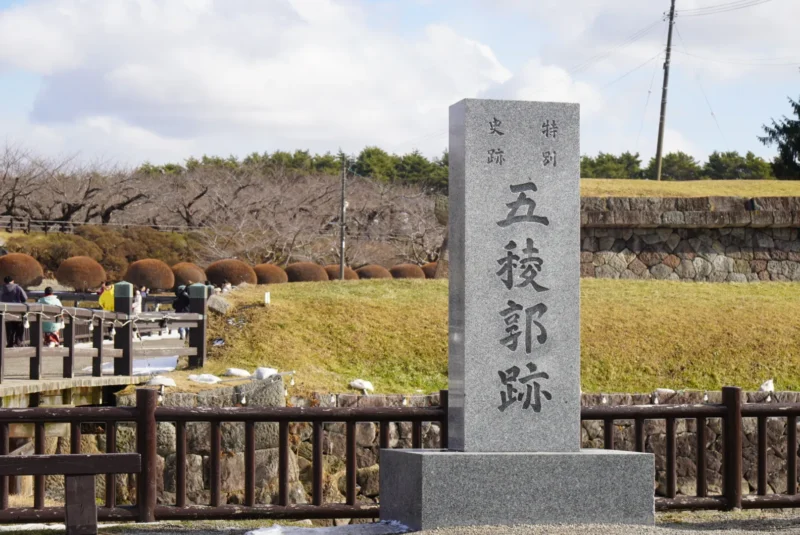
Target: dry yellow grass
[
  {"x": 596, "y": 187},
  {"x": 636, "y": 335}
]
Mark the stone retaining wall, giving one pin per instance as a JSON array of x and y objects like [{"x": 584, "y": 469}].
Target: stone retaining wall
[{"x": 709, "y": 239}]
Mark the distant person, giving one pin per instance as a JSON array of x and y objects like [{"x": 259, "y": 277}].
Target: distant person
[
  {"x": 50, "y": 329},
  {"x": 106, "y": 298},
  {"x": 227, "y": 287},
  {"x": 145, "y": 291},
  {"x": 13, "y": 293},
  {"x": 137, "y": 301},
  {"x": 181, "y": 305}
]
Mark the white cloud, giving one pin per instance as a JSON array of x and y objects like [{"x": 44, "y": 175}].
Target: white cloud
[
  {"x": 535, "y": 81},
  {"x": 162, "y": 75}
]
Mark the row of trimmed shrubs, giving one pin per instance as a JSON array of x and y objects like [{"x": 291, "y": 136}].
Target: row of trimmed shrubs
[{"x": 84, "y": 273}]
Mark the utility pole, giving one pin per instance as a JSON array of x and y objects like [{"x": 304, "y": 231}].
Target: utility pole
[
  {"x": 342, "y": 217},
  {"x": 659, "y": 150}
]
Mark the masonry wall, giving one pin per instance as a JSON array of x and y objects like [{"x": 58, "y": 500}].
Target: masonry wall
[{"x": 709, "y": 239}]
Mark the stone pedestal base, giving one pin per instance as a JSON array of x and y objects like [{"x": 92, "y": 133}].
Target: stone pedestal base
[{"x": 426, "y": 489}]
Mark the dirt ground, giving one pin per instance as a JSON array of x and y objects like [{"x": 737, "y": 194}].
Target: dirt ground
[{"x": 783, "y": 522}]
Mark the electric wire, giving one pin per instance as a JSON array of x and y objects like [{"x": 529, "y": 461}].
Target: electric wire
[
  {"x": 624, "y": 44},
  {"x": 762, "y": 62},
  {"x": 630, "y": 72},
  {"x": 700, "y": 85},
  {"x": 646, "y": 104},
  {"x": 699, "y": 12}
]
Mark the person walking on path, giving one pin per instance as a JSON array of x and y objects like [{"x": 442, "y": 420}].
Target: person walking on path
[
  {"x": 137, "y": 301},
  {"x": 13, "y": 293},
  {"x": 106, "y": 298},
  {"x": 180, "y": 305},
  {"x": 51, "y": 329}
]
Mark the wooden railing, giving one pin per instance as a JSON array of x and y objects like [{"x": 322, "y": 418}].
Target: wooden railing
[
  {"x": 121, "y": 325},
  {"x": 146, "y": 416}
]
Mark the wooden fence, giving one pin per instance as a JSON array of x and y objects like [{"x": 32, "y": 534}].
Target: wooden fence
[
  {"x": 121, "y": 325},
  {"x": 147, "y": 414}
]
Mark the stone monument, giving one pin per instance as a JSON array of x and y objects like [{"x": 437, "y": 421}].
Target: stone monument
[{"x": 514, "y": 363}]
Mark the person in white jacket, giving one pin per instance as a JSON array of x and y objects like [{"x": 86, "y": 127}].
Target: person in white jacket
[{"x": 137, "y": 301}]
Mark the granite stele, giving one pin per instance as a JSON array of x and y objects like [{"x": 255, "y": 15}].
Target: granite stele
[{"x": 514, "y": 370}]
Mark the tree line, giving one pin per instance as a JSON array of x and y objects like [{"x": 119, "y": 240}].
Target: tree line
[
  {"x": 411, "y": 169},
  {"x": 678, "y": 166}
]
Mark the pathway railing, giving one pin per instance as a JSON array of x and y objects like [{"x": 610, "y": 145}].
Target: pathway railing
[
  {"x": 120, "y": 325},
  {"x": 147, "y": 414}
]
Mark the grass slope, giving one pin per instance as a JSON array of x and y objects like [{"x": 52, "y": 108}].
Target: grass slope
[
  {"x": 592, "y": 187},
  {"x": 636, "y": 335},
  {"x": 393, "y": 333}
]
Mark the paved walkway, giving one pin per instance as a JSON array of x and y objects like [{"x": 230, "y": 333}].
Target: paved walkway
[{"x": 18, "y": 369}]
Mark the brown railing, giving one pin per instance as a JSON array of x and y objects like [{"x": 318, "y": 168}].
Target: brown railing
[
  {"x": 146, "y": 416},
  {"x": 730, "y": 411},
  {"x": 99, "y": 324}
]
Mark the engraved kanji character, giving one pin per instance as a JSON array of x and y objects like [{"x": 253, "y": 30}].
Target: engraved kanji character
[
  {"x": 496, "y": 156},
  {"x": 507, "y": 265},
  {"x": 549, "y": 158},
  {"x": 494, "y": 124},
  {"x": 533, "y": 393},
  {"x": 550, "y": 128},
  {"x": 532, "y": 266},
  {"x": 523, "y": 201}
]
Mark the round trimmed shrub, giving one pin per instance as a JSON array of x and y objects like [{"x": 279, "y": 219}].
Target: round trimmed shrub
[
  {"x": 407, "y": 271},
  {"x": 81, "y": 273},
  {"x": 429, "y": 270},
  {"x": 230, "y": 270},
  {"x": 333, "y": 273},
  {"x": 151, "y": 273},
  {"x": 306, "y": 272},
  {"x": 270, "y": 274},
  {"x": 373, "y": 271},
  {"x": 187, "y": 273},
  {"x": 25, "y": 269}
]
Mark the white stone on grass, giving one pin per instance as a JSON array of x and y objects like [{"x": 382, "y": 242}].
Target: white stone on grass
[
  {"x": 236, "y": 372},
  {"x": 161, "y": 381},
  {"x": 205, "y": 378},
  {"x": 263, "y": 373},
  {"x": 363, "y": 385}
]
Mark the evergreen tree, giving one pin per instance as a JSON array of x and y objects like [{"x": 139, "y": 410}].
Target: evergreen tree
[{"x": 786, "y": 135}]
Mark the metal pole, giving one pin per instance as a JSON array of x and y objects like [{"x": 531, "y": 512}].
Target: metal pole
[
  {"x": 342, "y": 217},
  {"x": 659, "y": 149}
]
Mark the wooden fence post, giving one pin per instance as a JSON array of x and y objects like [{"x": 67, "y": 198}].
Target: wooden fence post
[
  {"x": 198, "y": 304},
  {"x": 2, "y": 347},
  {"x": 37, "y": 343},
  {"x": 98, "y": 334},
  {"x": 146, "y": 403},
  {"x": 123, "y": 303},
  {"x": 69, "y": 341},
  {"x": 732, "y": 399}
]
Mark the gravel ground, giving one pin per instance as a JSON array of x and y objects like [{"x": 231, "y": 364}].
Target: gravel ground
[{"x": 699, "y": 523}]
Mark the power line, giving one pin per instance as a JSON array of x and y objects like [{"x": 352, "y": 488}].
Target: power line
[
  {"x": 630, "y": 72},
  {"x": 646, "y": 103},
  {"x": 624, "y": 44},
  {"x": 735, "y": 3},
  {"x": 700, "y": 85},
  {"x": 762, "y": 62},
  {"x": 722, "y": 8}
]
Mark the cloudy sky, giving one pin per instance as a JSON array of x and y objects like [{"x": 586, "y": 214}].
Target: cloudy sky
[{"x": 162, "y": 80}]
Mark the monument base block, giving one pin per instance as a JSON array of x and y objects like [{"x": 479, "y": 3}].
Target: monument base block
[{"x": 427, "y": 489}]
